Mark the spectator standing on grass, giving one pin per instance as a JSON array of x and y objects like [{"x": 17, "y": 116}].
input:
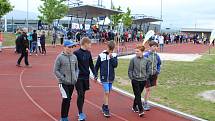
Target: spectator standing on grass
[
  {"x": 138, "y": 73},
  {"x": 161, "y": 42},
  {"x": 154, "y": 71},
  {"x": 107, "y": 62},
  {"x": 1, "y": 40},
  {"x": 43, "y": 42},
  {"x": 66, "y": 71},
  {"x": 24, "y": 48},
  {"x": 85, "y": 62}
]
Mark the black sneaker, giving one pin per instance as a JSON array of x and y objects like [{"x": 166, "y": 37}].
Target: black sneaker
[
  {"x": 106, "y": 111},
  {"x": 141, "y": 113}
]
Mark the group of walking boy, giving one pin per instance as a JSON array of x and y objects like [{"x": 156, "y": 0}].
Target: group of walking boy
[{"x": 72, "y": 70}]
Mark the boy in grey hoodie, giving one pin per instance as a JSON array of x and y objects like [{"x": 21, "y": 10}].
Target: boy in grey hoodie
[
  {"x": 66, "y": 71},
  {"x": 138, "y": 73}
]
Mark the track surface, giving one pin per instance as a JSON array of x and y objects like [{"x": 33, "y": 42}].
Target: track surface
[{"x": 32, "y": 94}]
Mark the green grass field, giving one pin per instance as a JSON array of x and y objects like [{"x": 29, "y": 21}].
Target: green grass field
[
  {"x": 179, "y": 85},
  {"x": 9, "y": 39}
]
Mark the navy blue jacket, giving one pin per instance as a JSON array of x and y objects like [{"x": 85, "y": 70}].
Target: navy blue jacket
[
  {"x": 85, "y": 62},
  {"x": 106, "y": 64}
]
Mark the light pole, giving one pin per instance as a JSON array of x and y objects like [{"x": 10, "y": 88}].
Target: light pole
[
  {"x": 27, "y": 15},
  {"x": 161, "y": 17}
]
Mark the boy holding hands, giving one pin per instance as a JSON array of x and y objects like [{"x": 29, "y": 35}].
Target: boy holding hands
[{"x": 107, "y": 62}]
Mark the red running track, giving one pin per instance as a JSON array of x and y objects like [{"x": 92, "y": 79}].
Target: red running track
[{"x": 32, "y": 94}]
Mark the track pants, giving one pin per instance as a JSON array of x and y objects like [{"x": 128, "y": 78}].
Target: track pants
[
  {"x": 66, "y": 93},
  {"x": 23, "y": 54},
  {"x": 138, "y": 87}
]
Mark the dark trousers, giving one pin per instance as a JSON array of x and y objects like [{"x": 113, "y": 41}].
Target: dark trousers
[
  {"x": 24, "y": 54},
  {"x": 138, "y": 87},
  {"x": 61, "y": 41},
  {"x": 43, "y": 46},
  {"x": 66, "y": 92},
  {"x": 81, "y": 86}
]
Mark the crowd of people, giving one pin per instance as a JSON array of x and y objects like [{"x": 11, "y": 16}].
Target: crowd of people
[
  {"x": 72, "y": 70},
  {"x": 36, "y": 41}
]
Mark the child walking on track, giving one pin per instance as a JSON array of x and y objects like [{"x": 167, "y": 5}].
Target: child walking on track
[
  {"x": 155, "y": 62},
  {"x": 107, "y": 62},
  {"x": 84, "y": 62},
  {"x": 138, "y": 73},
  {"x": 66, "y": 71}
]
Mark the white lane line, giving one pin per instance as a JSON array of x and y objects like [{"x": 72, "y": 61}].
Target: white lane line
[
  {"x": 99, "y": 107},
  {"x": 41, "y": 86},
  {"x": 32, "y": 100},
  {"x": 9, "y": 74},
  {"x": 87, "y": 101}
]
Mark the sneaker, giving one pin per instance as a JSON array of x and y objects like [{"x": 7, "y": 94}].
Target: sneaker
[
  {"x": 82, "y": 117},
  {"x": 18, "y": 65},
  {"x": 30, "y": 54},
  {"x": 106, "y": 111},
  {"x": 141, "y": 113},
  {"x": 64, "y": 119},
  {"x": 146, "y": 107},
  {"x": 135, "y": 110},
  {"x": 28, "y": 66}
]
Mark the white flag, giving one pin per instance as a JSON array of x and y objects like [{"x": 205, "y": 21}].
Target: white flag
[{"x": 148, "y": 35}]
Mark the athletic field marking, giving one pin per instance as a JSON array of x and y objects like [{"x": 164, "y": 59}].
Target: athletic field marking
[
  {"x": 99, "y": 107},
  {"x": 32, "y": 100},
  {"x": 87, "y": 101},
  {"x": 187, "y": 116},
  {"x": 9, "y": 74},
  {"x": 41, "y": 86}
]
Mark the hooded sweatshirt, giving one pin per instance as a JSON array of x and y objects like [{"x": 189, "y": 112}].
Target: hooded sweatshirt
[{"x": 66, "y": 69}]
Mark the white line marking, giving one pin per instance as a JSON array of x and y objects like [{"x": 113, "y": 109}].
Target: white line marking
[
  {"x": 41, "y": 86},
  {"x": 187, "y": 116},
  {"x": 179, "y": 113},
  {"x": 99, "y": 107},
  {"x": 9, "y": 74},
  {"x": 32, "y": 100},
  {"x": 87, "y": 101}
]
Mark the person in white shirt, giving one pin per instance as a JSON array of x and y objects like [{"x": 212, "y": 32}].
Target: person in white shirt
[
  {"x": 161, "y": 42},
  {"x": 156, "y": 38}
]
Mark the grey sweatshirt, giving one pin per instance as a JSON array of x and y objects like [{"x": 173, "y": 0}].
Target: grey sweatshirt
[
  {"x": 66, "y": 69},
  {"x": 139, "y": 69}
]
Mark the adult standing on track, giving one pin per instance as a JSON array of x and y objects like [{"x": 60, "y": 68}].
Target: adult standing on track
[
  {"x": 66, "y": 71},
  {"x": 138, "y": 73},
  {"x": 24, "y": 47},
  {"x": 84, "y": 62}
]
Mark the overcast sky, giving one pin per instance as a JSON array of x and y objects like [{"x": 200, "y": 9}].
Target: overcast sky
[{"x": 176, "y": 13}]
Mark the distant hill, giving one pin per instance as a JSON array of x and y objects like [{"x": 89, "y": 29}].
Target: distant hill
[{"x": 22, "y": 15}]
